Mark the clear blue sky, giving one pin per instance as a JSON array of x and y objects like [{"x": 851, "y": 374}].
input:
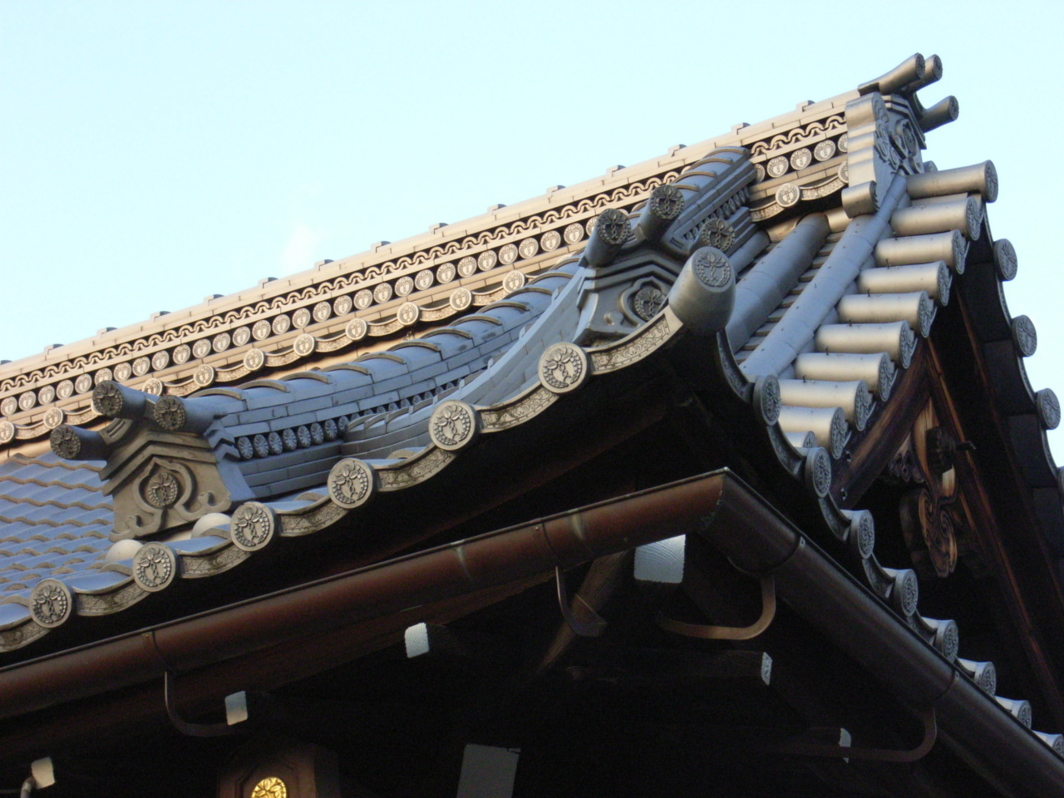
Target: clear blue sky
[{"x": 153, "y": 153}]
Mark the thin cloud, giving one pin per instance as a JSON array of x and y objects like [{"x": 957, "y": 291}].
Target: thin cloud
[{"x": 298, "y": 252}]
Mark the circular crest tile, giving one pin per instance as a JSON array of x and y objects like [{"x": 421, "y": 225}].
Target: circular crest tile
[
  {"x": 446, "y": 272},
  {"x": 824, "y": 151},
  {"x": 844, "y": 142},
  {"x": 404, "y": 286},
  {"x": 83, "y": 384},
  {"x": 363, "y": 299},
  {"x": 768, "y": 398},
  {"x": 1024, "y": 336},
  {"x": 301, "y": 318},
  {"x": 154, "y": 386},
  {"x": 508, "y": 254},
  {"x": 342, "y": 306},
  {"x": 9, "y": 406},
  {"x": 252, "y": 527},
  {"x": 528, "y": 248},
  {"x": 200, "y": 349},
  {"x": 7, "y": 431},
  {"x": 382, "y": 293},
  {"x": 254, "y": 359},
  {"x": 454, "y": 425},
  {"x": 800, "y": 159},
  {"x": 461, "y": 299},
  {"x": 424, "y": 279},
  {"x": 817, "y": 470},
  {"x": 47, "y": 394},
  {"x": 54, "y": 417},
  {"x": 759, "y": 170},
  {"x": 261, "y": 330},
  {"x": 103, "y": 375},
  {"x": 65, "y": 389},
  {"x": 27, "y": 401},
  {"x": 573, "y": 233},
  {"x": 245, "y": 447},
  {"x": 466, "y": 266},
  {"x": 356, "y": 329},
  {"x": 51, "y": 603},
  {"x": 564, "y": 367},
  {"x": 304, "y": 344},
  {"x": 550, "y": 241},
  {"x": 352, "y": 483},
  {"x": 141, "y": 366},
  {"x": 322, "y": 311},
  {"x": 717, "y": 233},
  {"x": 123, "y": 371},
  {"x": 648, "y": 301},
  {"x": 711, "y": 267},
  {"x": 221, "y": 342},
  {"x": 514, "y": 281},
  {"x": 487, "y": 260},
  {"x": 160, "y": 360},
  {"x": 154, "y": 566},
  {"x": 778, "y": 166},
  {"x": 1048, "y": 408},
  {"x": 241, "y": 335},
  {"x": 844, "y": 173},
  {"x": 1005, "y": 259},
  {"x": 408, "y": 314},
  {"x": 788, "y": 195},
  {"x": 204, "y": 375},
  {"x": 281, "y": 324}
]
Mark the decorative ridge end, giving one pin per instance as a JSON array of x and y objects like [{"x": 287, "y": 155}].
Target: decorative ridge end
[
  {"x": 910, "y": 71},
  {"x": 74, "y": 443},
  {"x": 612, "y": 229},
  {"x": 703, "y": 296},
  {"x": 115, "y": 400}
]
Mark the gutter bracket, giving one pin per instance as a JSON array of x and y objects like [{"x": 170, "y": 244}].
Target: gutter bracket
[
  {"x": 182, "y": 725},
  {"x": 594, "y": 626},
  {"x": 706, "y": 632},
  {"x": 810, "y": 748}
]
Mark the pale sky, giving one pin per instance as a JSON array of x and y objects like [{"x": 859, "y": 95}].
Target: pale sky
[{"x": 154, "y": 153}]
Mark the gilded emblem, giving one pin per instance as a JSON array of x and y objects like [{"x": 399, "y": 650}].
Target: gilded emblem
[{"x": 271, "y": 787}]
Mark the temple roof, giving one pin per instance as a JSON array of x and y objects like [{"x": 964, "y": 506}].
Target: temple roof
[{"x": 792, "y": 269}]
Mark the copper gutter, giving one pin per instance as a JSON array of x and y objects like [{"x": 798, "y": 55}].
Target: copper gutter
[
  {"x": 717, "y": 506},
  {"x": 388, "y": 588}
]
